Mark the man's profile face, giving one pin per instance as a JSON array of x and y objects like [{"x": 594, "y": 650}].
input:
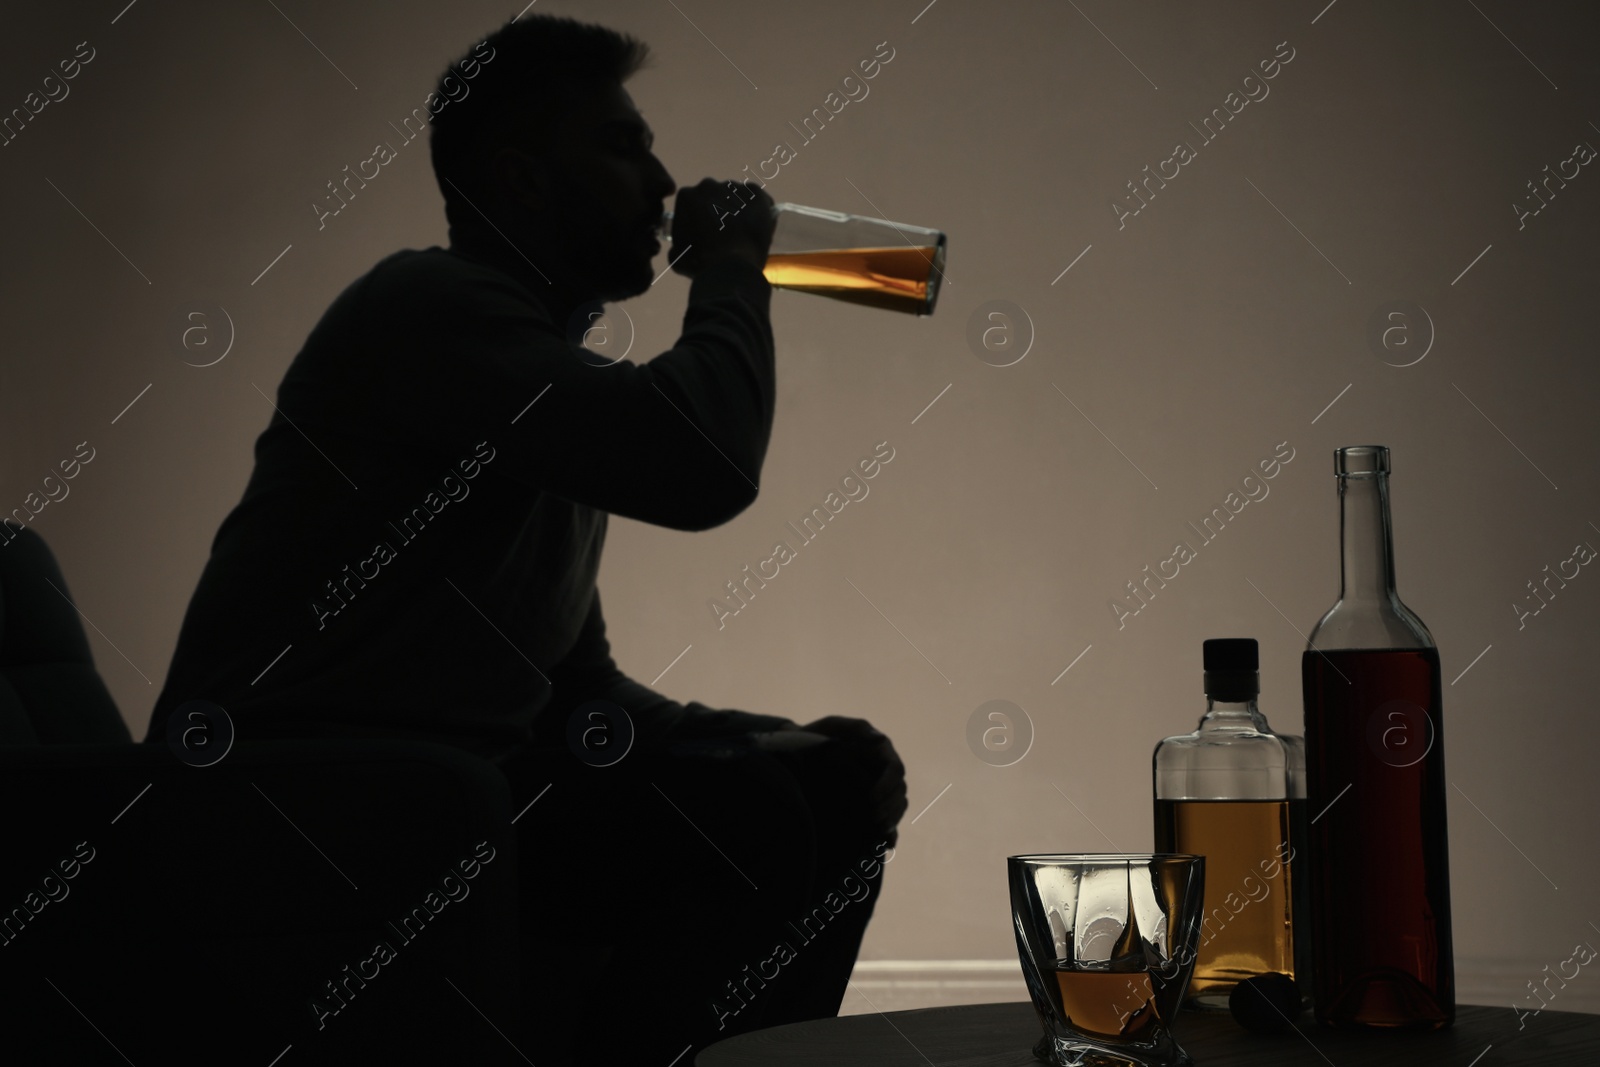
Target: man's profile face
[{"x": 607, "y": 190}]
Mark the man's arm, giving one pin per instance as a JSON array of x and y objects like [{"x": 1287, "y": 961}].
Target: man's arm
[
  {"x": 462, "y": 352},
  {"x": 862, "y": 771},
  {"x": 588, "y": 672}
]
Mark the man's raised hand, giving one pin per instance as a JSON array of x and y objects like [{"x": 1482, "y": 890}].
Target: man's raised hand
[{"x": 714, "y": 221}]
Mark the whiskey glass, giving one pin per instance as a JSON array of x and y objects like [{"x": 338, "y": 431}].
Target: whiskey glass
[{"x": 1107, "y": 944}]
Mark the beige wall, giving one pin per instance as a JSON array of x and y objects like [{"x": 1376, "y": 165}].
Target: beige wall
[{"x": 1197, "y": 338}]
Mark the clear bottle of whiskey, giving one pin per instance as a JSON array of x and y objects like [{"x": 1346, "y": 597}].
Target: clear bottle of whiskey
[
  {"x": 1233, "y": 791},
  {"x": 854, "y": 258}
]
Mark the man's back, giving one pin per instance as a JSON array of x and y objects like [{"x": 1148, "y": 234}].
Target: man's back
[{"x": 419, "y": 541}]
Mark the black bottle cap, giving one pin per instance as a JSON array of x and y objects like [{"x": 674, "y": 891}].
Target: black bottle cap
[
  {"x": 1231, "y": 664},
  {"x": 1232, "y": 654}
]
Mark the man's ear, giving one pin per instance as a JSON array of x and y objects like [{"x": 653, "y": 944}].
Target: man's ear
[{"x": 522, "y": 176}]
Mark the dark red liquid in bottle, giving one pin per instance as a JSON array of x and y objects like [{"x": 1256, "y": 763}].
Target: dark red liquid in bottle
[{"x": 1380, "y": 892}]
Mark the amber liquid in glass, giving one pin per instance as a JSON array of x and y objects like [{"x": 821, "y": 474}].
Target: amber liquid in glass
[
  {"x": 1120, "y": 1004},
  {"x": 1246, "y": 926},
  {"x": 893, "y": 278},
  {"x": 1380, "y": 892}
]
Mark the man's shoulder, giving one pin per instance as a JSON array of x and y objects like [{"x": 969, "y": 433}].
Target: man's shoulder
[
  {"x": 420, "y": 263},
  {"x": 430, "y": 279}
]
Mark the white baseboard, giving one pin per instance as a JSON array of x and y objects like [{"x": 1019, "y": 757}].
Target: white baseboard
[{"x": 898, "y": 985}]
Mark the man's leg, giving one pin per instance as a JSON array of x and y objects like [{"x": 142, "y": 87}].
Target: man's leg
[
  {"x": 650, "y": 889},
  {"x": 851, "y": 855},
  {"x": 813, "y": 821},
  {"x": 835, "y": 847}
]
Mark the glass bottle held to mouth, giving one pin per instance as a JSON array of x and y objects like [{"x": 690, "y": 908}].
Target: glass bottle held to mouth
[{"x": 852, "y": 258}]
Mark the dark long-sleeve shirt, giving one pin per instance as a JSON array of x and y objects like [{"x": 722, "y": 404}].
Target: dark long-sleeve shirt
[{"x": 416, "y": 549}]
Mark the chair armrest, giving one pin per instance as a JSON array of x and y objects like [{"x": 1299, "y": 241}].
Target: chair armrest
[{"x": 354, "y": 899}]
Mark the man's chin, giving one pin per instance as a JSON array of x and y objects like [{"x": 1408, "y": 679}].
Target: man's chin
[{"x": 634, "y": 284}]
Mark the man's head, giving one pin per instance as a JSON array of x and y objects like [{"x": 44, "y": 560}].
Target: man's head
[{"x": 544, "y": 156}]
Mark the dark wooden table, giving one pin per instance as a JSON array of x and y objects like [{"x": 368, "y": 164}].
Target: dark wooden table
[{"x": 1002, "y": 1035}]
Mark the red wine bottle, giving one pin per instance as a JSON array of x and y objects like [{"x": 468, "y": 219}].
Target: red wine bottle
[{"x": 1375, "y": 785}]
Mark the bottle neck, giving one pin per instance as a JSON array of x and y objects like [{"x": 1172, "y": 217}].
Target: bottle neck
[
  {"x": 1232, "y": 715},
  {"x": 1366, "y": 543}
]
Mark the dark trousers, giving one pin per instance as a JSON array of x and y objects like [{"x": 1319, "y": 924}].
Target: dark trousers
[{"x": 697, "y": 888}]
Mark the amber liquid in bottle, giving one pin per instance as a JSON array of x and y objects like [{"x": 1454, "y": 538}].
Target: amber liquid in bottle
[
  {"x": 1380, "y": 889},
  {"x": 1253, "y": 877},
  {"x": 1233, "y": 791},
  {"x": 893, "y": 278}
]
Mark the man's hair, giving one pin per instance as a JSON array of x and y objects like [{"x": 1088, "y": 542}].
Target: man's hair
[{"x": 524, "y": 78}]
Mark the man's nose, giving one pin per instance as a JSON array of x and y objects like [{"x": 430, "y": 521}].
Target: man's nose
[{"x": 663, "y": 180}]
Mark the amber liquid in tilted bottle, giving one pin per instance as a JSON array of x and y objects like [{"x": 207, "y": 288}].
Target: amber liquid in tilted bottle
[
  {"x": 894, "y": 278},
  {"x": 1233, "y": 791},
  {"x": 1374, "y": 735},
  {"x": 853, "y": 258}
]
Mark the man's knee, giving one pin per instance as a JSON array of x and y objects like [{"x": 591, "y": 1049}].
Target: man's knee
[{"x": 738, "y": 782}]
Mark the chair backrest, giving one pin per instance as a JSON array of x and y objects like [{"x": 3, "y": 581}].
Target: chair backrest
[
  {"x": 50, "y": 693},
  {"x": 212, "y": 914}
]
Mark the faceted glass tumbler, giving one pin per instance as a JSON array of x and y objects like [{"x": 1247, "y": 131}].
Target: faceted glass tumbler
[{"x": 1107, "y": 944}]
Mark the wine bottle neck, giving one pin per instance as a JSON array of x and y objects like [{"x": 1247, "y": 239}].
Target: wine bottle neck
[
  {"x": 1366, "y": 542},
  {"x": 1232, "y": 714}
]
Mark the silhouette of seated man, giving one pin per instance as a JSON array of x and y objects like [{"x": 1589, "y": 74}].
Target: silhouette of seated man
[{"x": 416, "y": 551}]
